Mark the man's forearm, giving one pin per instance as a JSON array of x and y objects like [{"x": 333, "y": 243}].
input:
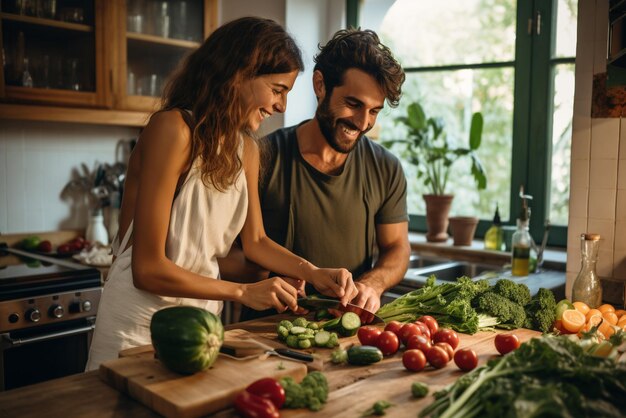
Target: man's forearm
[{"x": 389, "y": 269}]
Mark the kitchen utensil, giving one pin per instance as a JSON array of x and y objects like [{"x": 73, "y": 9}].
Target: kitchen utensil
[
  {"x": 335, "y": 307},
  {"x": 246, "y": 347}
]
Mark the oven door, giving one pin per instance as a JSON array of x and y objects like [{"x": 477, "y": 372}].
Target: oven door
[{"x": 43, "y": 353}]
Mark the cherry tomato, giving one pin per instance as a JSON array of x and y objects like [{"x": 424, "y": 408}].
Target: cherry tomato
[
  {"x": 45, "y": 246},
  {"x": 250, "y": 405},
  {"x": 424, "y": 328},
  {"x": 394, "y": 326},
  {"x": 368, "y": 335},
  {"x": 445, "y": 335},
  {"x": 505, "y": 343},
  {"x": 268, "y": 388},
  {"x": 437, "y": 357},
  {"x": 64, "y": 249},
  {"x": 466, "y": 359},
  {"x": 447, "y": 347},
  {"x": 407, "y": 331},
  {"x": 414, "y": 360},
  {"x": 431, "y": 322},
  {"x": 388, "y": 343},
  {"x": 420, "y": 342}
]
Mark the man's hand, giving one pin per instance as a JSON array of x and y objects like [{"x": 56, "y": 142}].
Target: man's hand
[{"x": 368, "y": 298}]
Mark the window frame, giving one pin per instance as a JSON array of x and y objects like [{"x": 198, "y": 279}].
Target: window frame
[{"x": 532, "y": 114}]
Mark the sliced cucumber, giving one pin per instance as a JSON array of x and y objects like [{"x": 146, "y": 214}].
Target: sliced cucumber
[
  {"x": 350, "y": 323},
  {"x": 322, "y": 338},
  {"x": 297, "y": 330},
  {"x": 332, "y": 325}
]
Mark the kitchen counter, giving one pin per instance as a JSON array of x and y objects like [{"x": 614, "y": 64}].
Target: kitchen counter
[{"x": 86, "y": 395}]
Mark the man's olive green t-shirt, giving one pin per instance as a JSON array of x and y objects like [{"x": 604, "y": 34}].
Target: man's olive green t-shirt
[{"x": 330, "y": 220}]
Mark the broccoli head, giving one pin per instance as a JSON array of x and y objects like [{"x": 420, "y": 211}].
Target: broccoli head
[
  {"x": 516, "y": 292},
  {"x": 311, "y": 393},
  {"x": 508, "y": 313},
  {"x": 541, "y": 311}
]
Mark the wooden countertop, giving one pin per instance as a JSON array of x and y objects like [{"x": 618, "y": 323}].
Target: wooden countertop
[{"x": 85, "y": 395}]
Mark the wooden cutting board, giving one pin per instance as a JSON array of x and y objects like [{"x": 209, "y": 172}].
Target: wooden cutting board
[{"x": 138, "y": 374}]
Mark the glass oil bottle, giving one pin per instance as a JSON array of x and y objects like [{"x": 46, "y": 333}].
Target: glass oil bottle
[
  {"x": 494, "y": 237},
  {"x": 521, "y": 240},
  {"x": 587, "y": 287}
]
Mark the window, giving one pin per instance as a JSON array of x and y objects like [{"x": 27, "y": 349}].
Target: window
[{"x": 511, "y": 60}]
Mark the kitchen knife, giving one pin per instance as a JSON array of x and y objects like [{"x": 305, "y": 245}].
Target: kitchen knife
[
  {"x": 314, "y": 303},
  {"x": 245, "y": 348}
]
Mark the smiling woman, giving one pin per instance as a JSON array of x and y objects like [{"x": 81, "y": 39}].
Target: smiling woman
[{"x": 191, "y": 188}]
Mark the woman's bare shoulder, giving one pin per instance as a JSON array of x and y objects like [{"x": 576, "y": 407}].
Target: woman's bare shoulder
[{"x": 169, "y": 129}]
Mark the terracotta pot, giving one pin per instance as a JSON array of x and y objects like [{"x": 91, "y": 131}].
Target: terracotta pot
[
  {"x": 437, "y": 210},
  {"x": 463, "y": 229}
]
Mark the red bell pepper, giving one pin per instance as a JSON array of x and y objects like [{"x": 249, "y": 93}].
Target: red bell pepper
[
  {"x": 249, "y": 405},
  {"x": 269, "y": 388}
]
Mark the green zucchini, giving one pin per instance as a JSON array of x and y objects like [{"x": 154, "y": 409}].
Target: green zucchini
[
  {"x": 332, "y": 325},
  {"x": 349, "y": 325},
  {"x": 322, "y": 338},
  {"x": 364, "y": 354},
  {"x": 296, "y": 330}
]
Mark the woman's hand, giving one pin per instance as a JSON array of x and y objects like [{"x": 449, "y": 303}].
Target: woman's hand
[
  {"x": 334, "y": 283},
  {"x": 270, "y": 293}
]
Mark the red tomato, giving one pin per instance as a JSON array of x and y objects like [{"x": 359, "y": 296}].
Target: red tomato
[
  {"x": 431, "y": 322},
  {"x": 437, "y": 357},
  {"x": 424, "y": 328},
  {"x": 45, "y": 246},
  {"x": 407, "y": 331},
  {"x": 64, "y": 249},
  {"x": 368, "y": 335},
  {"x": 445, "y": 335},
  {"x": 388, "y": 343},
  {"x": 268, "y": 388},
  {"x": 394, "y": 326},
  {"x": 250, "y": 405},
  {"x": 419, "y": 342},
  {"x": 414, "y": 360},
  {"x": 505, "y": 343},
  {"x": 466, "y": 359},
  {"x": 447, "y": 347}
]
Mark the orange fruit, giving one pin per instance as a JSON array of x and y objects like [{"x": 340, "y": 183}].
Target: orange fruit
[
  {"x": 606, "y": 329},
  {"x": 620, "y": 313},
  {"x": 592, "y": 312},
  {"x": 621, "y": 322},
  {"x": 582, "y": 307},
  {"x": 606, "y": 308},
  {"x": 610, "y": 317},
  {"x": 573, "y": 320}
]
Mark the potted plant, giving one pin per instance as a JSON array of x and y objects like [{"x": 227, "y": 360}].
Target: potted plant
[{"x": 427, "y": 147}]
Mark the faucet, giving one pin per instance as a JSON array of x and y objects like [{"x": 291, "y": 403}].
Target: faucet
[{"x": 544, "y": 242}]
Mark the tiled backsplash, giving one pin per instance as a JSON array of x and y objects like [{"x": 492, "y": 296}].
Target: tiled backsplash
[
  {"x": 36, "y": 161},
  {"x": 598, "y": 169}
]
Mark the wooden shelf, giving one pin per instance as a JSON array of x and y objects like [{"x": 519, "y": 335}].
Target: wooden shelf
[
  {"x": 47, "y": 22},
  {"x": 162, "y": 41},
  {"x": 74, "y": 115}
]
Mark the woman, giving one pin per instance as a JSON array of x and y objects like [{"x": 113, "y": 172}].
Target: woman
[{"x": 191, "y": 188}]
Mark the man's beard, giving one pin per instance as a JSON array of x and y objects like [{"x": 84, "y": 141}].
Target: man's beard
[{"x": 329, "y": 125}]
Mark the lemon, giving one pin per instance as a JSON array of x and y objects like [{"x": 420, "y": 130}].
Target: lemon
[{"x": 562, "y": 306}]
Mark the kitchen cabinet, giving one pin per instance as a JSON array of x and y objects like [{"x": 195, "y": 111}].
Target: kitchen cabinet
[{"x": 94, "y": 61}]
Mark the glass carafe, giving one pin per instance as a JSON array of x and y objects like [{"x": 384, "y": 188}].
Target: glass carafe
[{"x": 587, "y": 287}]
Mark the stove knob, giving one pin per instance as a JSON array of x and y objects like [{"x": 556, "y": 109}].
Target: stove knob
[
  {"x": 14, "y": 317},
  {"x": 56, "y": 311},
  {"x": 33, "y": 315},
  {"x": 86, "y": 306}
]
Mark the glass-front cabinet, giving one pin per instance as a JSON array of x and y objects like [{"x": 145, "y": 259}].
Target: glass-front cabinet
[
  {"x": 50, "y": 51},
  {"x": 156, "y": 36},
  {"x": 107, "y": 54}
]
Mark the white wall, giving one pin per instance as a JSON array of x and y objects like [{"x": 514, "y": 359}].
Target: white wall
[
  {"x": 36, "y": 162},
  {"x": 37, "y": 158}
]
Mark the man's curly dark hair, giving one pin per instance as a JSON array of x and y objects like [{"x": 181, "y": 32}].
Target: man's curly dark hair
[{"x": 361, "y": 49}]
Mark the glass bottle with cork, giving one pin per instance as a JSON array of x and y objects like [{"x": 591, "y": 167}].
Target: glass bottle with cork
[
  {"x": 587, "y": 287},
  {"x": 521, "y": 240}
]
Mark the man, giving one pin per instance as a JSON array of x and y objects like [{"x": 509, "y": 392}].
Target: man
[{"x": 330, "y": 194}]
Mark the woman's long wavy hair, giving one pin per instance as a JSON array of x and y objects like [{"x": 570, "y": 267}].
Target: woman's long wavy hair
[{"x": 208, "y": 83}]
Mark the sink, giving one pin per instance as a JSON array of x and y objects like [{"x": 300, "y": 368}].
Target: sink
[
  {"x": 419, "y": 261},
  {"x": 451, "y": 270}
]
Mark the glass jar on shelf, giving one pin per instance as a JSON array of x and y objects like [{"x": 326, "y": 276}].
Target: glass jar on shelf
[{"x": 587, "y": 286}]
